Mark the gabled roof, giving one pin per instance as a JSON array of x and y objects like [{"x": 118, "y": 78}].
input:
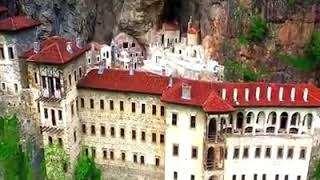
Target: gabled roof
[
  {"x": 120, "y": 80},
  {"x": 3, "y": 9},
  {"x": 205, "y": 95},
  {"x": 18, "y": 23},
  {"x": 53, "y": 50}
]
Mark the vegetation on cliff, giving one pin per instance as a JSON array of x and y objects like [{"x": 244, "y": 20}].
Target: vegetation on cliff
[{"x": 86, "y": 168}]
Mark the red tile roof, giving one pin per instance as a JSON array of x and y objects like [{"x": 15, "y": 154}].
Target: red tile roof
[
  {"x": 193, "y": 30},
  {"x": 170, "y": 26},
  {"x": 18, "y": 23},
  {"x": 120, "y": 80},
  {"x": 203, "y": 94},
  {"x": 54, "y": 51},
  {"x": 3, "y": 8}
]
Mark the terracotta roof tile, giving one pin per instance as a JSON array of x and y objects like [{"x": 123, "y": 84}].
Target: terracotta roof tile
[
  {"x": 54, "y": 51},
  {"x": 203, "y": 94},
  {"x": 18, "y": 23},
  {"x": 193, "y": 30},
  {"x": 170, "y": 26}
]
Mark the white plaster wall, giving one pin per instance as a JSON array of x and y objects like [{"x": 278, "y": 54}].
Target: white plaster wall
[
  {"x": 185, "y": 137},
  {"x": 270, "y": 167}
]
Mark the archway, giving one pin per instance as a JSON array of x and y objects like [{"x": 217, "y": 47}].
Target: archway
[
  {"x": 295, "y": 118},
  {"x": 283, "y": 120},
  {"x": 210, "y": 158},
  {"x": 239, "y": 120}
]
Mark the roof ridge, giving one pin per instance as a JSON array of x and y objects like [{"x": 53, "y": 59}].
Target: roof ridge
[{"x": 49, "y": 46}]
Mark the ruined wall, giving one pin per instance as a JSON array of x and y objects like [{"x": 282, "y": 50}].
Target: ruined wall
[{"x": 128, "y": 120}]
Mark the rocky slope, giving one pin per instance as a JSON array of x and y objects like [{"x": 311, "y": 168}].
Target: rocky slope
[{"x": 291, "y": 23}]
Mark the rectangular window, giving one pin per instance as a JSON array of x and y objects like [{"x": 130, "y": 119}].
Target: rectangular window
[
  {"x": 111, "y": 105},
  {"x": 111, "y": 155},
  {"x": 58, "y": 84},
  {"x": 16, "y": 87},
  {"x": 162, "y": 111},
  {"x": 75, "y": 76},
  {"x": 93, "y": 130},
  {"x": 80, "y": 72},
  {"x": 112, "y": 131},
  {"x": 3, "y": 86},
  {"x": 243, "y": 177},
  {"x": 192, "y": 177},
  {"x": 175, "y": 175},
  {"x": 121, "y": 106},
  {"x": 143, "y": 136},
  {"x": 104, "y": 154},
  {"x": 157, "y": 161},
  {"x": 161, "y": 138},
  {"x": 122, "y": 132},
  {"x": 50, "y": 139},
  {"x": 93, "y": 152},
  {"x": 133, "y": 133},
  {"x": 175, "y": 149},
  {"x": 234, "y": 177},
  {"x": 257, "y": 152},
  {"x": 103, "y": 131},
  {"x": 101, "y": 104},
  {"x": 72, "y": 109},
  {"x": 143, "y": 108},
  {"x": 123, "y": 156},
  {"x": 11, "y": 54},
  {"x": 91, "y": 103},
  {"x": 174, "y": 119},
  {"x": 70, "y": 81},
  {"x": 60, "y": 142},
  {"x": 35, "y": 78},
  {"x": 226, "y": 153},
  {"x": 290, "y": 153},
  {"x": 192, "y": 121},
  {"x": 302, "y": 154},
  {"x": 133, "y": 107},
  {"x": 46, "y": 113},
  {"x": 194, "y": 153},
  {"x": 84, "y": 129},
  {"x": 1, "y": 52},
  {"x": 154, "y": 109},
  {"x": 298, "y": 177},
  {"x": 236, "y": 153},
  {"x": 277, "y": 177},
  {"x": 142, "y": 159},
  {"x": 74, "y": 136},
  {"x": 135, "y": 158},
  {"x": 264, "y": 177},
  {"x": 53, "y": 117},
  {"x": 280, "y": 153},
  {"x": 154, "y": 137},
  {"x": 245, "y": 153},
  {"x": 44, "y": 82},
  {"x": 82, "y": 103},
  {"x": 255, "y": 177},
  {"x": 60, "y": 114},
  {"x": 268, "y": 152}
]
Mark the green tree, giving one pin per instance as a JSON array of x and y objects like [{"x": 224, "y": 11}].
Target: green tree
[
  {"x": 56, "y": 160},
  {"x": 316, "y": 173},
  {"x": 15, "y": 161},
  {"x": 258, "y": 29},
  {"x": 313, "y": 49},
  {"x": 86, "y": 169}
]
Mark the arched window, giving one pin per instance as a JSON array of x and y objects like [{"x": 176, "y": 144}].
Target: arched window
[
  {"x": 210, "y": 158},
  {"x": 239, "y": 120},
  {"x": 283, "y": 120},
  {"x": 308, "y": 120},
  {"x": 230, "y": 119},
  {"x": 261, "y": 118},
  {"x": 249, "y": 117},
  {"x": 295, "y": 118},
  {"x": 272, "y": 118},
  {"x": 212, "y": 130}
]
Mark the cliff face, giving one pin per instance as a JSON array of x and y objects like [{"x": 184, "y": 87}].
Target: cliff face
[{"x": 291, "y": 24}]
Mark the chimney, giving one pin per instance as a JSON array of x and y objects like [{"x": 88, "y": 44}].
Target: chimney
[
  {"x": 170, "y": 81},
  {"x": 246, "y": 94},
  {"x": 258, "y": 93},
  {"x": 36, "y": 47},
  {"x": 269, "y": 91},
  {"x": 79, "y": 43},
  {"x": 305, "y": 94},
  {"x": 69, "y": 47},
  {"x": 281, "y": 94},
  {"x": 293, "y": 94},
  {"x": 224, "y": 93},
  {"x": 186, "y": 92},
  {"x": 235, "y": 94}
]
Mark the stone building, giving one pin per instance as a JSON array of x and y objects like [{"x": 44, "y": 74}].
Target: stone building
[
  {"x": 147, "y": 126},
  {"x": 54, "y": 67}
]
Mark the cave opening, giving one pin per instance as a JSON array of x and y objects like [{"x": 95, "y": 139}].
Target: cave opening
[{"x": 171, "y": 11}]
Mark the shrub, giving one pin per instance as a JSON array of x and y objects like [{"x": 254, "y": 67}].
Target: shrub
[{"x": 258, "y": 29}]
